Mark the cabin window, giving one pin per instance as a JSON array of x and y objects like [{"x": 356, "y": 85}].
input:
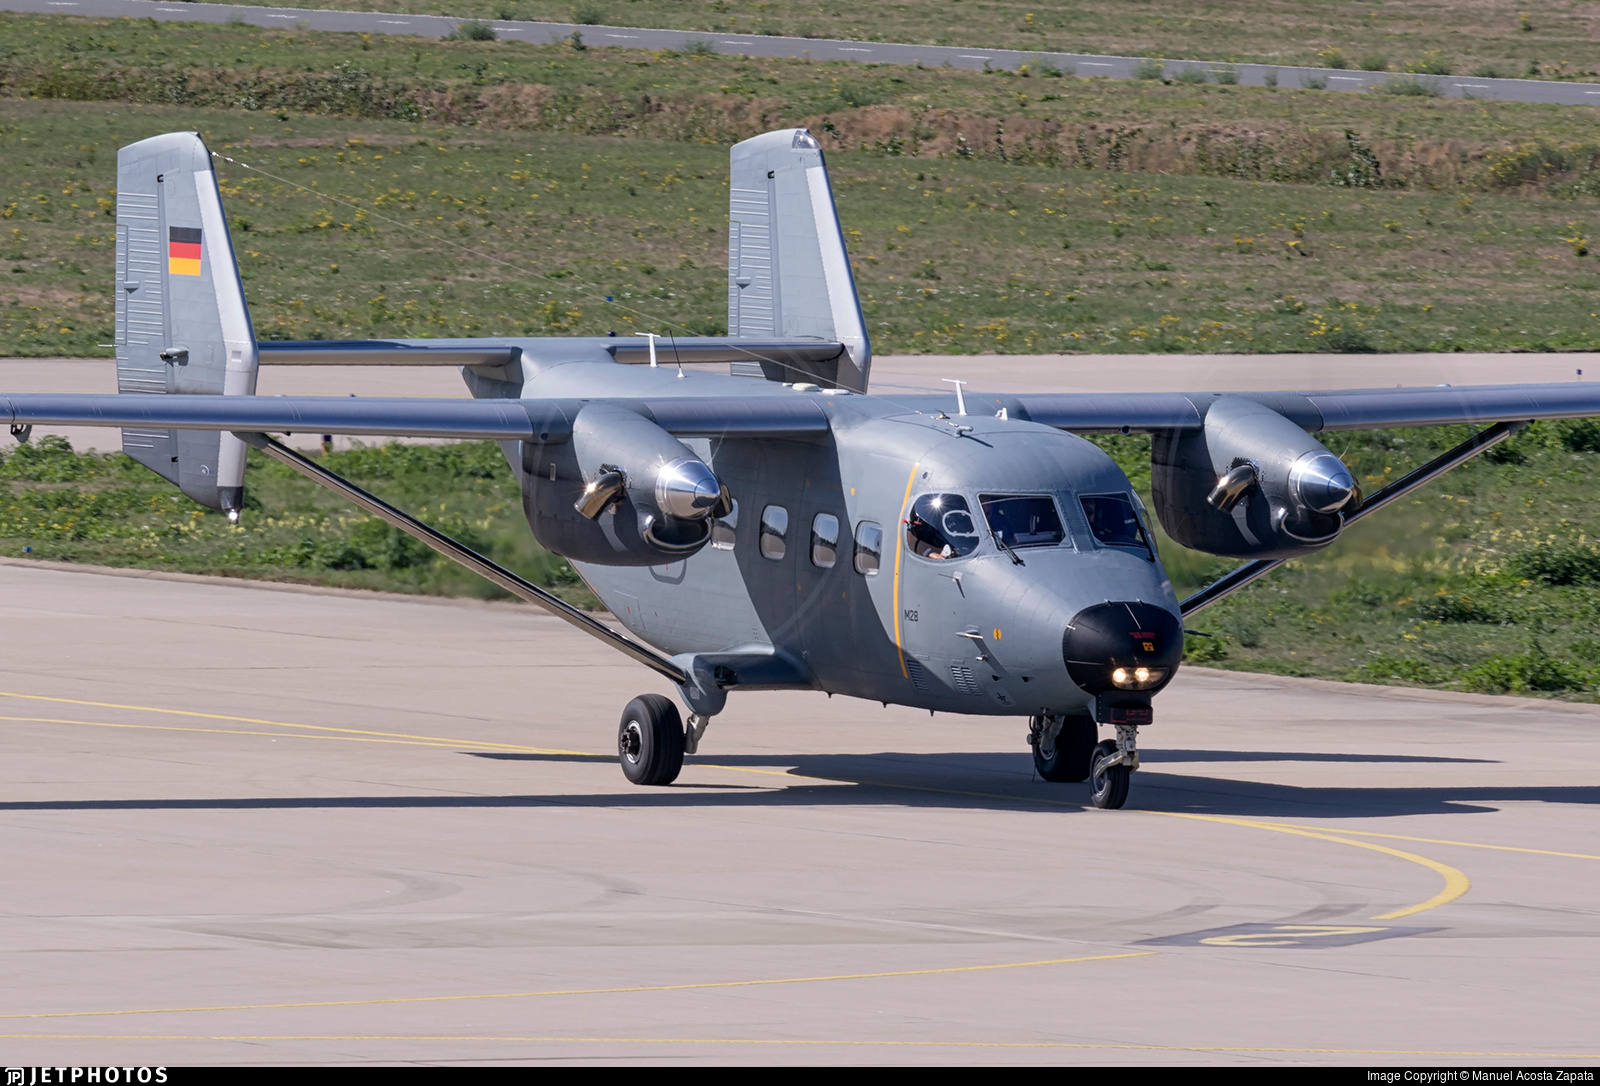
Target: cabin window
[
  {"x": 1115, "y": 521},
  {"x": 774, "y": 528},
  {"x": 1023, "y": 520},
  {"x": 869, "y": 547},
  {"x": 824, "y": 540},
  {"x": 723, "y": 529},
  {"x": 941, "y": 527}
]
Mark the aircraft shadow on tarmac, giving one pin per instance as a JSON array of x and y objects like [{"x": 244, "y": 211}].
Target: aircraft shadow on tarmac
[
  {"x": 1163, "y": 756},
  {"x": 972, "y": 781}
]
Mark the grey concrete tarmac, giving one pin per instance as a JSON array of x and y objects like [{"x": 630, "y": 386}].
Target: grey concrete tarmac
[
  {"x": 249, "y": 825},
  {"x": 892, "y": 373}
]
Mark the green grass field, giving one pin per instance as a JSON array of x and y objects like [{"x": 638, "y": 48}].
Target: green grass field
[
  {"x": 59, "y": 505},
  {"x": 1555, "y": 40},
  {"x": 984, "y": 212},
  {"x": 456, "y": 231}
]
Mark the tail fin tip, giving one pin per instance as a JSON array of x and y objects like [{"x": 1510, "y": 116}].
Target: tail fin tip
[{"x": 788, "y": 269}]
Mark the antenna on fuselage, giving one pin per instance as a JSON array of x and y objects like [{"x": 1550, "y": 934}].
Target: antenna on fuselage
[
  {"x": 652, "y": 337},
  {"x": 961, "y": 403}
]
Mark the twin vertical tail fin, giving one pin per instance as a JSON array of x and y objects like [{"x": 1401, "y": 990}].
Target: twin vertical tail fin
[
  {"x": 182, "y": 322},
  {"x": 788, "y": 272}
]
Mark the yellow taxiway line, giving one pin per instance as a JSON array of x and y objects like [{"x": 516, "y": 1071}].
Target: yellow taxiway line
[
  {"x": 1456, "y": 882},
  {"x": 431, "y": 740}
]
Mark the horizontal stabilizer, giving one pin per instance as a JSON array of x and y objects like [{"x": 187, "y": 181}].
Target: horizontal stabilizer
[{"x": 377, "y": 352}]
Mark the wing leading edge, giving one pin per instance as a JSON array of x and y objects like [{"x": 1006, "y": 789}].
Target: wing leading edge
[
  {"x": 778, "y": 416},
  {"x": 1351, "y": 409},
  {"x": 478, "y": 420}
]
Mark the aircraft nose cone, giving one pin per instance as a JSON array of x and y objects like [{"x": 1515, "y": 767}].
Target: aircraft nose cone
[
  {"x": 686, "y": 488},
  {"x": 1323, "y": 483},
  {"x": 1140, "y": 640}
]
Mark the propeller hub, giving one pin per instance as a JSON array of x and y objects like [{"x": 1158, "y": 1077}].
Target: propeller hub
[
  {"x": 687, "y": 489},
  {"x": 1322, "y": 483}
]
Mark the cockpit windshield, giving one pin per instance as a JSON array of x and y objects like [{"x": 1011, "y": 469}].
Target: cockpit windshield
[
  {"x": 1114, "y": 520},
  {"x": 1028, "y": 520},
  {"x": 940, "y": 526}
]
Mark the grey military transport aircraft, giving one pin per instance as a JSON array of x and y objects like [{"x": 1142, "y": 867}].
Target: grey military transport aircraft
[{"x": 773, "y": 525}]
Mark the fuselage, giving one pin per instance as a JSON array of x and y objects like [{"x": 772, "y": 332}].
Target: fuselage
[{"x": 910, "y": 555}]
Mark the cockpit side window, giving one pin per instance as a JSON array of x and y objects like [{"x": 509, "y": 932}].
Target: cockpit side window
[
  {"x": 1114, "y": 521},
  {"x": 1026, "y": 520},
  {"x": 940, "y": 526}
]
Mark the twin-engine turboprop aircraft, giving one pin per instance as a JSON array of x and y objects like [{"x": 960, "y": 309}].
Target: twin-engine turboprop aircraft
[{"x": 775, "y": 525}]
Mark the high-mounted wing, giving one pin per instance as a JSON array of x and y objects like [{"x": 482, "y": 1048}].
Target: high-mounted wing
[
  {"x": 541, "y": 421},
  {"x": 1348, "y": 409}
]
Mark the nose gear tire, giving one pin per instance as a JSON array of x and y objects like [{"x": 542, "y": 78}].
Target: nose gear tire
[
  {"x": 1109, "y": 790},
  {"x": 1068, "y": 758},
  {"x": 650, "y": 740}
]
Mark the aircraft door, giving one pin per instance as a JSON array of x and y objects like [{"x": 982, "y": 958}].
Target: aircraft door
[
  {"x": 767, "y": 481},
  {"x": 938, "y": 536},
  {"x": 823, "y": 576},
  {"x": 845, "y": 578}
]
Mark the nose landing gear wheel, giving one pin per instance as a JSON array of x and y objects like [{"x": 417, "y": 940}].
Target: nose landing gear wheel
[
  {"x": 650, "y": 740},
  {"x": 1109, "y": 786}
]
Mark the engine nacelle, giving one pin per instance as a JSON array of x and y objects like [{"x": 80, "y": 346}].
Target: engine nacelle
[
  {"x": 621, "y": 492},
  {"x": 1249, "y": 484}
]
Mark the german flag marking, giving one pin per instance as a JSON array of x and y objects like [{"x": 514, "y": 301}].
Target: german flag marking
[{"x": 183, "y": 250}]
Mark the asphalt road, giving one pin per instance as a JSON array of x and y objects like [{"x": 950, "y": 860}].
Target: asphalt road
[
  {"x": 247, "y": 825},
  {"x": 435, "y": 26}
]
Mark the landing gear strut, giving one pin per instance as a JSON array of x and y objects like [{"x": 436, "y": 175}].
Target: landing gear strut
[
  {"x": 650, "y": 740},
  {"x": 1114, "y": 761}
]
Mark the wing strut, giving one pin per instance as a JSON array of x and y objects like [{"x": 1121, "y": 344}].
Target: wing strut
[
  {"x": 456, "y": 552},
  {"x": 1236, "y": 579}
]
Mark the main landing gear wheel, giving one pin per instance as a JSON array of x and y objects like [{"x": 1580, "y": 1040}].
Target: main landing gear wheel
[
  {"x": 1109, "y": 786},
  {"x": 1063, "y": 747},
  {"x": 650, "y": 740}
]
